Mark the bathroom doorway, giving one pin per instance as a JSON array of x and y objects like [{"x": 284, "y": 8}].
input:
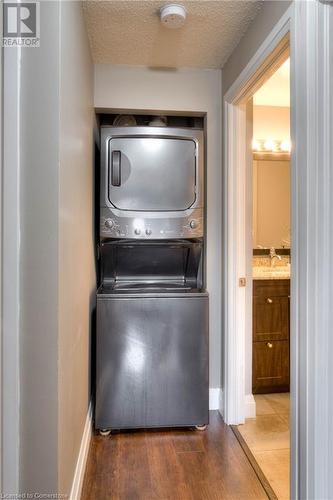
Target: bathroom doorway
[
  {"x": 239, "y": 403},
  {"x": 265, "y": 434}
]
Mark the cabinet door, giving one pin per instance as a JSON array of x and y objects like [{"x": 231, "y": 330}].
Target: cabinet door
[
  {"x": 270, "y": 318},
  {"x": 270, "y": 366}
]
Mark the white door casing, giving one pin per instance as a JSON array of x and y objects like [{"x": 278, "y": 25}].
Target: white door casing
[
  {"x": 310, "y": 24},
  {"x": 237, "y": 306},
  {"x": 312, "y": 269}
]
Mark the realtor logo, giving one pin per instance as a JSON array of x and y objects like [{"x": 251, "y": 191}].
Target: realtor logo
[{"x": 21, "y": 24}]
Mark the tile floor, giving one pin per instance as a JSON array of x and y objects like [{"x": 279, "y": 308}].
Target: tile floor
[{"x": 268, "y": 438}]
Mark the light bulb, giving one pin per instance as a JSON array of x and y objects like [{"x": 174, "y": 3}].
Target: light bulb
[
  {"x": 269, "y": 145},
  {"x": 285, "y": 146}
]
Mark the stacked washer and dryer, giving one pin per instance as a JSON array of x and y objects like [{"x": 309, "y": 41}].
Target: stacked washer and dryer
[{"x": 152, "y": 307}]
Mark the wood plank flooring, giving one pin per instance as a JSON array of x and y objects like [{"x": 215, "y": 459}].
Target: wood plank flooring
[{"x": 171, "y": 464}]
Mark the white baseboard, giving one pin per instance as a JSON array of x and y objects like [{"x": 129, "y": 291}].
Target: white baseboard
[
  {"x": 216, "y": 402},
  {"x": 77, "y": 484},
  {"x": 221, "y": 404},
  {"x": 214, "y": 398},
  {"x": 250, "y": 406}
]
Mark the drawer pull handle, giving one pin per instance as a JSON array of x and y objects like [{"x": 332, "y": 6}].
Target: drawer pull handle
[
  {"x": 269, "y": 301},
  {"x": 269, "y": 345}
]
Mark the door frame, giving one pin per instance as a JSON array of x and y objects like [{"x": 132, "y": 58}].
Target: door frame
[
  {"x": 310, "y": 28},
  {"x": 237, "y": 306}
]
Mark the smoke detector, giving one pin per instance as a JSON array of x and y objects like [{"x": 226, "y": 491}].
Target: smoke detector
[{"x": 173, "y": 15}]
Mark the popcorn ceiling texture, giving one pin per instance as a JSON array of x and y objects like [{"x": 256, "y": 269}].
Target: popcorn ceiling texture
[{"x": 129, "y": 32}]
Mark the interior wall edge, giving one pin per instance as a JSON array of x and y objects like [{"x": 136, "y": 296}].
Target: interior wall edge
[
  {"x": 268, "y": 16},
  {"x": 76, "y": 251}
]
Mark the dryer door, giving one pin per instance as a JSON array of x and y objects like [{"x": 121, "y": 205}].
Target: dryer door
[{"x": 151, "y": 173}]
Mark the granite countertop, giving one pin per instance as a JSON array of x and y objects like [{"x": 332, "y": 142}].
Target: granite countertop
[
  {"x": 264, "y": 269},
  {"x": 271, "y": 273}
]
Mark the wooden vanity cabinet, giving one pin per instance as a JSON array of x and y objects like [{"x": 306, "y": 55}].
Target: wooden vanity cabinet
[{"x": 271, "y": 312}]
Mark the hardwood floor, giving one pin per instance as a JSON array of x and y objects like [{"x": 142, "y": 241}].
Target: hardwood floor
[{"x": 171, "y": 464}]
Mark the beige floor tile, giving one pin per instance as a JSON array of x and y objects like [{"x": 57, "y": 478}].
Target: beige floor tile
[
  {"x": 286, "y": 418},
  {"x": 266, "y": 432},
  {"x": 268, "y": 437},
  {"x": 275, "y": 466},
  {"x": 280, "y": 402},
  {"x": 263, "y": 407}
]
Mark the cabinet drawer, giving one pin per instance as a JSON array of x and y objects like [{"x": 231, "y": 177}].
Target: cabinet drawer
[
  {"x": 270, "y": 318},
  {"x": 270, "y": 366},
  {"x": 268, "y": 288}
]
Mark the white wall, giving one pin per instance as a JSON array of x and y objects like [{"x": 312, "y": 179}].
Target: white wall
[
  {"x": 271, "y": 122},
  {"x": 269, "y": 14},
  {"x": 10, "y": 273},
  {"x": 56, "y": 248},
  {"x": 77, "y": 281},
  {"x": 38, "y": 264},
  {"x": 184, "y": 90}
]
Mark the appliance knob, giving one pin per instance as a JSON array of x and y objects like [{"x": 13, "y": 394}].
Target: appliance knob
[
  {"x": 137, "y": 231},
  {"x": 148, "y": 232},
  {"x": 109, "y": 223},
  {"x": 193, "y": 224}
]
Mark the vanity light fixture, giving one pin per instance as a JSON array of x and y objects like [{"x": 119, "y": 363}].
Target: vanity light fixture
[{"x": 271, "y": 146}]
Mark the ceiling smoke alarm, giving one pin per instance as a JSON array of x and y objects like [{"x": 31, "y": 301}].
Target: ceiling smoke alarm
[{"x": 173, "y": 15}]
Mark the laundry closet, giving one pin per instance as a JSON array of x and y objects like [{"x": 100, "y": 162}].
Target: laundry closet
[{"x": 152, "y": 330}]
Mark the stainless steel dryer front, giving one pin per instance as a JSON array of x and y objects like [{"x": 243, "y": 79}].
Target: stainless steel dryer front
[{"x": 151, "y": 183}]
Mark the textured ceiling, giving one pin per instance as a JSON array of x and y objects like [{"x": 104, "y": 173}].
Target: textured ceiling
[
  {"x": 276, "y": 91},
  {"x": 129, "y": 32}
]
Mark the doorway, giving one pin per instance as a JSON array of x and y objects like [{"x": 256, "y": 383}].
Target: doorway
[
  {"x": 265, "y": 435},
  {"x": 239, "y": 401}
]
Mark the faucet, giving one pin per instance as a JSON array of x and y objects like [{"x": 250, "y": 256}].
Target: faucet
[{"x": 273, "y": 255}]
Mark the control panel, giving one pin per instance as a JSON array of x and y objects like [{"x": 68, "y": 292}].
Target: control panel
[{"x": 147, "y": 227}]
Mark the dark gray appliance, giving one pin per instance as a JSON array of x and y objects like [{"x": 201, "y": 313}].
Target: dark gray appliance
[
  {"x": 152, "y": 342},
  {"x": 152, "y": 307}
]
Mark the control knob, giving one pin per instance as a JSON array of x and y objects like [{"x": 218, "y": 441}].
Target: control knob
[
  {"x": 109, "y": 223},
  {"x": 148, "y": 232},
  {"x": 193, "y": 224},
  {"x": 137, "y": 231}
]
